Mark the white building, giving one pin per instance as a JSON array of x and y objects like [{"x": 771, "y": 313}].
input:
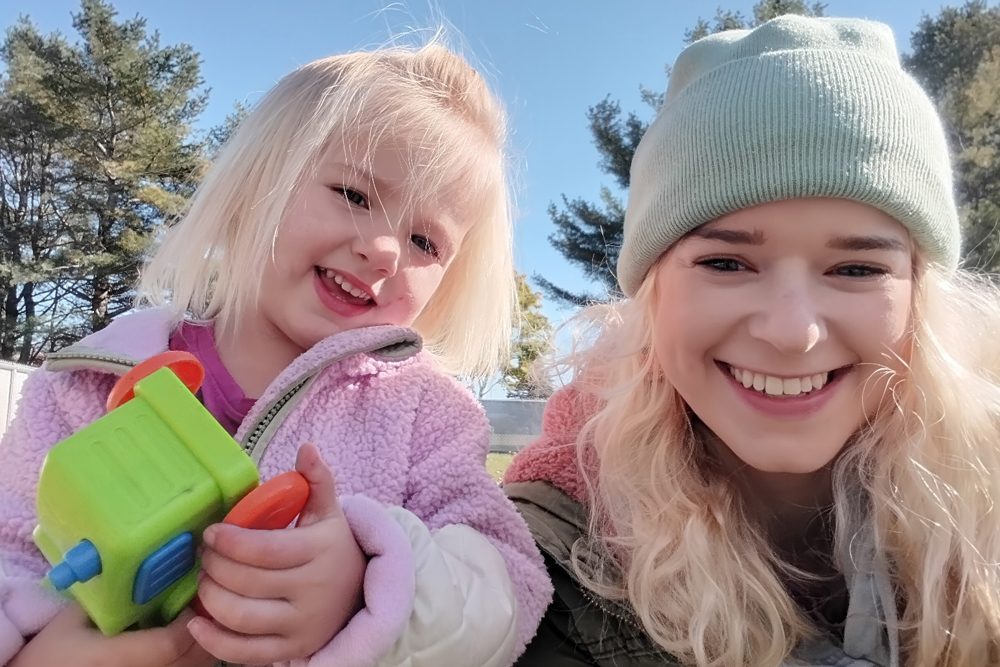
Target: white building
[{"x": 514, "y": 423}]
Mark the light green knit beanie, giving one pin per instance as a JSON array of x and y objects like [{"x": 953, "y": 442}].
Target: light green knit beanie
[{"x": 797, "y": 107}]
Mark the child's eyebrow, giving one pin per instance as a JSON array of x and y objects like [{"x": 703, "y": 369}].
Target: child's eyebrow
[
  {"x": 362, "y": 174},
  {"x": 867, "y": 243}
]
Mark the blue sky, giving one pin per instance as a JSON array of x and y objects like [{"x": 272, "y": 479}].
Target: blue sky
[{"x": 550, "y": 60}]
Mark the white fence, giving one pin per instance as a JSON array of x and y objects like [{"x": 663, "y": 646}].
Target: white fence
[{"x": 11, "y": 378}]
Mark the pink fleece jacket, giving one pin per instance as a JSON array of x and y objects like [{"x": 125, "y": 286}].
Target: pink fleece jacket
[{"x": 394, "y": 430}]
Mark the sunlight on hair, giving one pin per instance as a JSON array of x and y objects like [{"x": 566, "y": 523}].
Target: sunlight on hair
[
  {"x": 427, "y": 99},
  {"x": 672, "y": 537}
]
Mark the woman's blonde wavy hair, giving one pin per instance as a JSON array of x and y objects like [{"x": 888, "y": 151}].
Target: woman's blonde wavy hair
[
  {"x": 705, "y": 584},
  {"x": 207, "y": 266}
]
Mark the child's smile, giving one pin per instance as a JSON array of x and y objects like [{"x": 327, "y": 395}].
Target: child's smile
[
  {"x": 343, "y": 296},
  {"x": 345, "y": 286},
  {"x": 355, "y": 249}
]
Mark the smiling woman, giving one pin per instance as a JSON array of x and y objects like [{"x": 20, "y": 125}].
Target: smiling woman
[
  {"x": 783, "y": 294},
  {"x": 781, "y": 449}
]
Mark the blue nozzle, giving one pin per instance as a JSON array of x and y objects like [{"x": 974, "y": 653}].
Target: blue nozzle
[{"x": 81, "y": 563}]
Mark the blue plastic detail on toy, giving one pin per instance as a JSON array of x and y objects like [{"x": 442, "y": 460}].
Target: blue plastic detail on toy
[
  {"x": 164, "y": 567},
  {"x": 81, "y": 563}
]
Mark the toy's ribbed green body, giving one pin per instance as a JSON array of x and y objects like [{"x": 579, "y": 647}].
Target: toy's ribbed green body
[{"x": 155, "y": 468}]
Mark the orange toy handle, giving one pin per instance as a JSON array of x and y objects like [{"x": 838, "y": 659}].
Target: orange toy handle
[
  {"x": 184, "y": 365},
  {"x": 271, "y": 506}
]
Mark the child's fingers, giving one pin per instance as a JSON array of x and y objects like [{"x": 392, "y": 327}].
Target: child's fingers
[
  {"x": 195, "y": 656},
  {"x": 72, "y": 616},
  {"x": 322, "y": 503},
  {"x": 247, "y": 580},
  {"x": 156, "y": 646},
  {"x": 234, "y": 647},
  {"x": 268, "y": 549},
  {"x": 244, "y": 615}
]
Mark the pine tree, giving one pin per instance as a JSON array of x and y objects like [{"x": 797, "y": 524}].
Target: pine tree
[
  {"x": 532, "y": 339},
  {"x": 956, "y": 58},
  {"x": 35, "y": 179},
  {"x": 531, "y": 335},
  {"x": 124, "y": 106}
]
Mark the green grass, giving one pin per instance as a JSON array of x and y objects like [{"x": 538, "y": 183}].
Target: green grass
[{"x": 496, "y": 464}]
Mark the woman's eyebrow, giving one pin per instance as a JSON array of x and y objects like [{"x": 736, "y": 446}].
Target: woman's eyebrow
[
  {"x": 733, "y": 236},
  {"x": 757, "y": 237},
  {"x": 867, "y": 243}
]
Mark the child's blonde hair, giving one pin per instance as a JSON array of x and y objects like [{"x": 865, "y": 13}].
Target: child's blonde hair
[
  {"x": 671, "y": 536},
  {"x": 454, "y": 133}
]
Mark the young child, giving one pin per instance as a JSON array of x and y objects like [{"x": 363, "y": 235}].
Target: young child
[
  {"x": 366, "y": 193},
  {"x": 782, "y": 448}
]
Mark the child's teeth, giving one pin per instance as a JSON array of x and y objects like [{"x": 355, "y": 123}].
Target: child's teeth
[
  {"x": 346, "y": 285},
  {"x": 775, "y": 386}
]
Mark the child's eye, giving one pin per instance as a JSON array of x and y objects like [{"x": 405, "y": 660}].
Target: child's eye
[
  {"x": 352, "y": 196},
  {"x": 859, "y": 271},
  {"x": 425, "y": 245},
  {"x": 723, "y": 264}
]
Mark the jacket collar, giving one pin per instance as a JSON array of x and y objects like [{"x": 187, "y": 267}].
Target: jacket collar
[
  {"x": 145, "y": 333},
  {"x": 142, "y": 334},
  {"x": 871, "y": 630}
]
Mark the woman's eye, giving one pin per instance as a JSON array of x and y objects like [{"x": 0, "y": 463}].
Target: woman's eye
[
  {"x": 425, "y": 245},
  {"x": 723, "y": 264},
  {"x": 352, "y": 196},
  {"x": 859, "y": 271}
]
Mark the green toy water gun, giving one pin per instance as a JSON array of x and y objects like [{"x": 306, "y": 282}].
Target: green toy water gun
[{"x": 123, "y": 502}]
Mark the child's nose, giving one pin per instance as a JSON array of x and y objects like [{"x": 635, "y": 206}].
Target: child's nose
[{"x": 382, "y": 253}]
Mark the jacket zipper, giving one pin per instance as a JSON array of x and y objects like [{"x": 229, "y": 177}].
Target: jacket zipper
[
  {"x": 124, "y": 364},
  {"x": 253, "y": 436}
]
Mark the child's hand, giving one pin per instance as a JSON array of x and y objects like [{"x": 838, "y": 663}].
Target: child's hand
[
  {"x": 281, "y": 594},
  {"x": 71, "y": 639}
]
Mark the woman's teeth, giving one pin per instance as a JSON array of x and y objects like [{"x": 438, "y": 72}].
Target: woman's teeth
[
  {"x": 773, "y": 386},
  {"x": 346, "y": 285}
]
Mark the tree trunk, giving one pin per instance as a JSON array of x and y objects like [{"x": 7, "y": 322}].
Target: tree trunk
[
  {"x": 100, "y": 299},
  {"x": 9, "y": 324},
  {"x": 99, "y": 302},
  {"x": 28, "y": 338}
]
